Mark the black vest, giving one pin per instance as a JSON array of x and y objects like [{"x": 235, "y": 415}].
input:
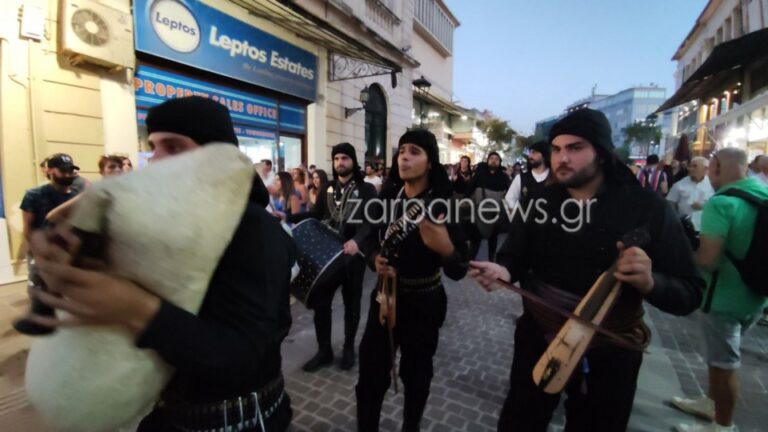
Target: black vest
[{"x": 529, "y": 185}]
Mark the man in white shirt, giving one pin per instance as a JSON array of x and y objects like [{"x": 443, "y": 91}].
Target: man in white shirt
[
  {"x": 690, "y": 193},
  {"x": 267, "y": 176},
  {"x": 524, "y": 184},
  {"x": 371, "y": 177}
]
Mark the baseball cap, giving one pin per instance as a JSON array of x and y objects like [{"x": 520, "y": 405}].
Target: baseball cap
[{"x": 62, "y": 161}]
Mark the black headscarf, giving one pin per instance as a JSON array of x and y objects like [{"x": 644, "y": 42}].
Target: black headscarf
[
  {"x": 439, "y": 183},
  {"x": 348, "y": 149},
  {"x": 204, "y": 120},
  {"x": 593, "y": 126}
]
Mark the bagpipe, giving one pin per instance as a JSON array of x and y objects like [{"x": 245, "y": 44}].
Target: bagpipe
[{"x": 165, "y": 228}]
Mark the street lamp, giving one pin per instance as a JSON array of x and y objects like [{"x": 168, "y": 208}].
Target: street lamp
[
  {"x": 421, "y": 89},
  {"x": 364, "y": 96}
]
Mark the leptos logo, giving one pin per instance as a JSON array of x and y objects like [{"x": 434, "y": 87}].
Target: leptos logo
[{"x": 175, "y": 25}]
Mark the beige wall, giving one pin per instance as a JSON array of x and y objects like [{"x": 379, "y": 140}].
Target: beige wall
[{"x": 437, "y": 69}]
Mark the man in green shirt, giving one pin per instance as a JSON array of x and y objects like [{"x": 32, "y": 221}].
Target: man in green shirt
[{"x": 729, "y": 307}]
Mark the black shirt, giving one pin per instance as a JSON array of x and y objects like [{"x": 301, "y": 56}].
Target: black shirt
[
  {"x": 414, "y": 260},
  {"x": 572, "y": 261},
  {"x": 495, "y": 181},
  {"x": 41, "y": 200},
  {"x": 233, "y": 346}
]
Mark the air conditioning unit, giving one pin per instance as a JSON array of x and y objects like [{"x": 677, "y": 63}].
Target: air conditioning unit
[{"x": 93, "y": 33}]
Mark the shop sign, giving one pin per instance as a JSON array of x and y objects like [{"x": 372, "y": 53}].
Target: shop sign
[{"x": 194, "y": 34}]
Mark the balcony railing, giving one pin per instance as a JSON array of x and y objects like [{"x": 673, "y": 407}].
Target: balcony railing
[
  {"x": 381, "y": 13},
  {"x": 432, "y": 16}
]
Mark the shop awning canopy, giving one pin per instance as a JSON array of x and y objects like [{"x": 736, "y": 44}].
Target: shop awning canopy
[
  {"x": 443, "y": 104},
  {"x": 723, "y": 64},
  {"x": 348, "y": 59}
]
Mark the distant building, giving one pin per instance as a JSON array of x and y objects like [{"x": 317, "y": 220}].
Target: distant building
[{"x": 622, "y": 109}]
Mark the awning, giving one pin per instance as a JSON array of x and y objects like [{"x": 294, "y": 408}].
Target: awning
[
  {"x": 447, "y": 106},
  {"x": 305, "y": 25},
  {"x": 723, "y": 64}
]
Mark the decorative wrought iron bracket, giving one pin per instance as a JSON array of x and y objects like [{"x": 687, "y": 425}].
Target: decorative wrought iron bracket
[{"x": 341, "y": 67}]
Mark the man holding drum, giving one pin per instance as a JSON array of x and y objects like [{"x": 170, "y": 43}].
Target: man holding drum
[{"x": 347, "y": 196}]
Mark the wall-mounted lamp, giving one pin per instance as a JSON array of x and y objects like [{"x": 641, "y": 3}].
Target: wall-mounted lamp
[
  {"x": 364, "y": 96},
  {"x": 422, "y": 86}
]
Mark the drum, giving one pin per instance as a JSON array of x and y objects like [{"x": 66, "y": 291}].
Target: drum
[{"x": 321, "y": 260}]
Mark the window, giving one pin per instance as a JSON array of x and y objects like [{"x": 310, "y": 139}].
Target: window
[{"x": 727, "y": 29}]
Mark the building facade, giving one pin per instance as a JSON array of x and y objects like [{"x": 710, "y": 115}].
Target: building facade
[
  {"x": 298, "y": 78},
  {"x": 721, "y": 98}
]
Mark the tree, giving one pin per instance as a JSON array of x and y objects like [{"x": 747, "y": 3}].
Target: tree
[
  {"x": 499, "y": 133},
  {"x": 643, "y": 134}
]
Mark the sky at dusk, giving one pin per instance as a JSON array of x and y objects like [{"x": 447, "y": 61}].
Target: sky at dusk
[{"x": 526, "y": 60}]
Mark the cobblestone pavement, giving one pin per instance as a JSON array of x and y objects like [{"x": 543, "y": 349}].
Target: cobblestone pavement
[{"x": 472, "y": 367}]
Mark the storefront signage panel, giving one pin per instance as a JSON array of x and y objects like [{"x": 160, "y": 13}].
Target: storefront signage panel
[{"x": 197, "y": 35}]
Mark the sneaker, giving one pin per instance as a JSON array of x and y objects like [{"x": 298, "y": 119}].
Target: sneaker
[
  {"x": 321, "y": 359},
  {"x": 712, "y": 427},
  {"x": 703, "y": 407}
]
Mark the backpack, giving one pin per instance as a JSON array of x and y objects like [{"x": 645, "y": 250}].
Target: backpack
[{"x": 753, "y": 268}]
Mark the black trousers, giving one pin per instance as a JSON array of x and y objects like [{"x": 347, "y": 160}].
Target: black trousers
[
  {"x": 158, "y": 421},
  {"x": 600, "y": 403},
  {"x": 351, "y": 281},
  {"x": 475, "y": 238},
  {"x": 416, "y": 333}
]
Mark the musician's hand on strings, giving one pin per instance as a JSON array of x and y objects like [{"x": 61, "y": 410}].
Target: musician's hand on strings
[
  {"x": 487, "y": 273},
  {"x": 635, "y": 268},
  {"x": 382, "y": 266},
  {"x": 435, "y": 236},
  {"x": 350, "y": 247}
]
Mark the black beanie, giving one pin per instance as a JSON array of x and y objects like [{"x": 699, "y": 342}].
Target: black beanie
[
  {"x": 424, "y": 139},
  {"x": 542, "y": 147},
  {"x": 345, "y": 148},
  {"x": 438, "y": 178},
  {"x": 592, "y": 125},
  {"x": 204, "y": 120}
]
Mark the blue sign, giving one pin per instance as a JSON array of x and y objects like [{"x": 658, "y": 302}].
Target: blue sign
[
  {"x": 292, "y": 117},
  {"x": 192, "y": 33},
  {"x": 154, "y": 86}
]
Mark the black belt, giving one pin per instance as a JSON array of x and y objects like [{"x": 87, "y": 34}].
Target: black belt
[
  {"x": 419, "y": 285},
  {"x": 245, "y": 412}
]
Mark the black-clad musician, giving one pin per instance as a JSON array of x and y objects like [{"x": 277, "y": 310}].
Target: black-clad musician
[{"x": 409, "y": 271}]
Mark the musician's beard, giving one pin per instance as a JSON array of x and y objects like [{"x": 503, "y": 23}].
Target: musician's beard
[
  {"x": 581, "y": 177},
  {"x": 343, "y": 171}
]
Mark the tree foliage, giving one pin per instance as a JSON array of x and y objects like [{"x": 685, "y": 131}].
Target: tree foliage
[
  {"x": 499, "y": 133},
  {"x": 643, "y": 134}
]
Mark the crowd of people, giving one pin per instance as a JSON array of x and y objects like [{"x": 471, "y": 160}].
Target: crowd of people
[{"x": 677, "y": 271}]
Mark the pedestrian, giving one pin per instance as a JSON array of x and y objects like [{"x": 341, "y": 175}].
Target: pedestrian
[
  {"x": 266, "y": 173},
  {"x": 230, "y": 350},
  {"x": 561, "y": 262},
  {"x": 318, "y": 193},
  {"x": 286, "y": 200},
  {"x": 415, "y": 262},
  {"x": 689, "y": 195},
  {"x": 127, "y": 165},
  {"x": 534, "y": 178},
  {"x": 730, "y": 307},
  {"x": 371, "y": 177},
  {"x": 110, "y": 165},
  {"x": 489, "y": 183},
  {"x": 462, "y": 178},
  {"x": 348, "y": 194},
  {"x": 653, "y": 177},
  {"x": 677, "y": 171},
  {"x": 300, "y": 184},
  {"x": 38, "y": 202}
]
